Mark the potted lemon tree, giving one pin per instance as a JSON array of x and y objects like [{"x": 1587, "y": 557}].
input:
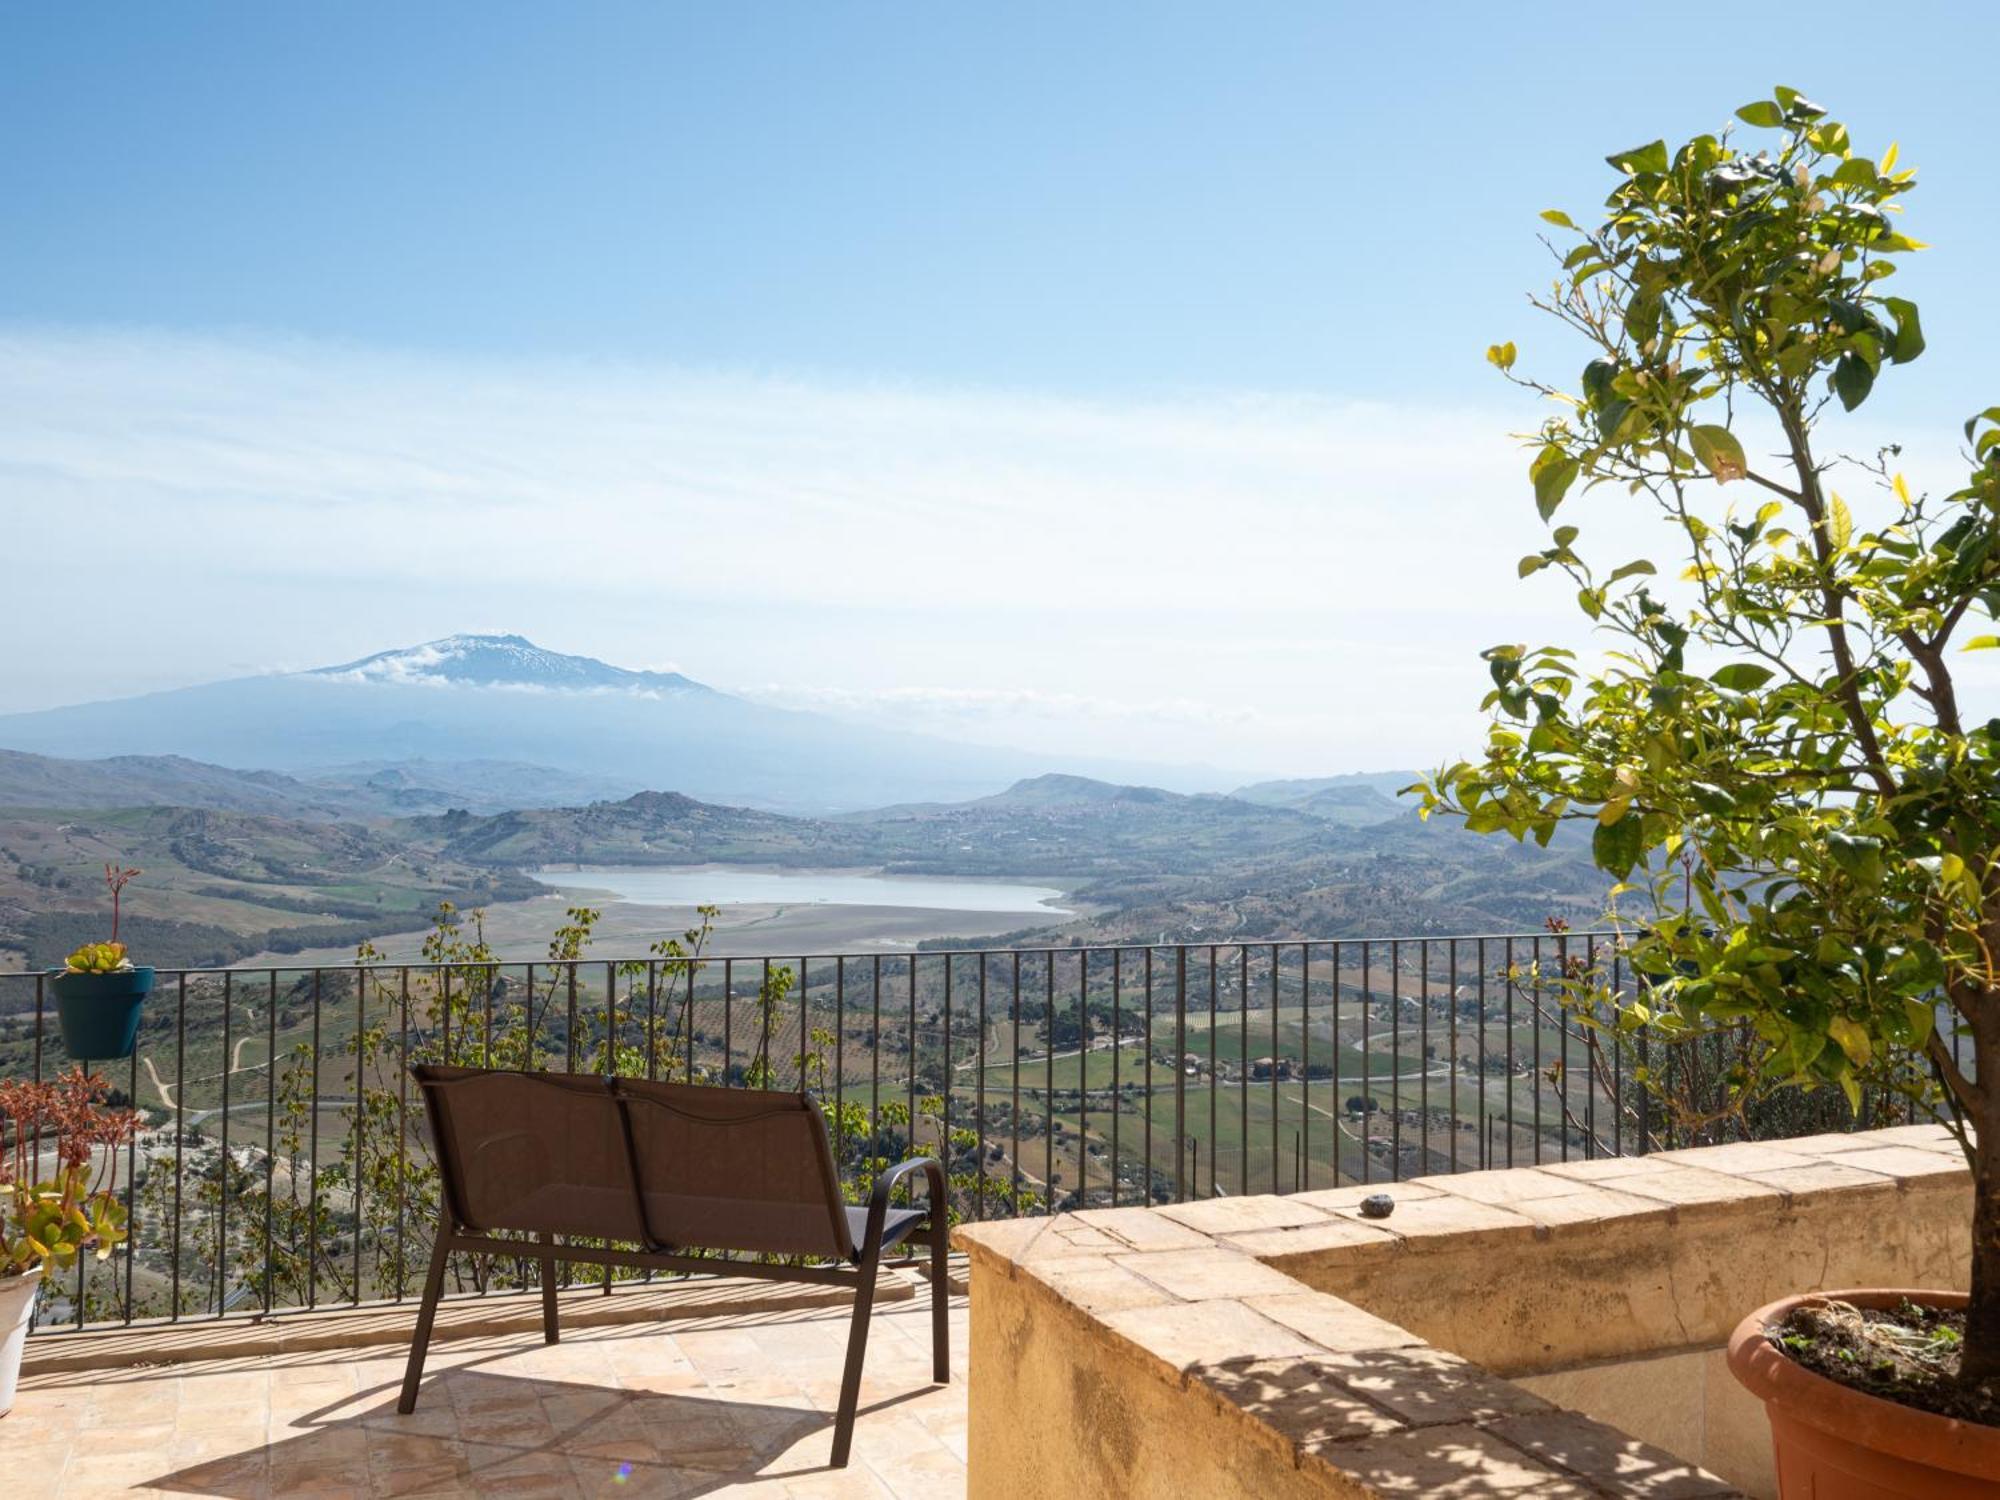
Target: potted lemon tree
[
  {"x": 1779, "y": 768},
  {"x": 100, "y": 991},
  {"x": 49, "y": 1217}
]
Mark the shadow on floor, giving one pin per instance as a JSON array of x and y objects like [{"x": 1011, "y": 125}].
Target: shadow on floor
[{"x": 477, "y": 1432}]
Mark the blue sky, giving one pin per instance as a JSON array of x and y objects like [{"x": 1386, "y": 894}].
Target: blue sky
[{"x": 1064, "y": 371}]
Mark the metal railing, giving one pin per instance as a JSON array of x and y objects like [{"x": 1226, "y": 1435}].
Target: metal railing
[{"x": 283, "y": 1163}]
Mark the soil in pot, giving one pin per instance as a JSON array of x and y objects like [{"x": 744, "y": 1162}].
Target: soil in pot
[{"x": 1906, "y": 1353}]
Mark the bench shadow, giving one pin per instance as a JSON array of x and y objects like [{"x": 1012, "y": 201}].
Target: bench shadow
[{"x": 480, "y": 1432}]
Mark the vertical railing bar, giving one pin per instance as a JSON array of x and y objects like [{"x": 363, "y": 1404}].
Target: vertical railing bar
[
  {"x": 222, "y": 1198},
  {"x": 691, "y": 969},
  {"x": 979, "y": 1088},
  {"x": 569, "y": 1039},
  {"x": 1451, "y": 1041},
  {"x": 1535, "y": 1006},
  {"x": 312, "y": 1158},
  {"x": 1396, "y": 1061},
  {"x": 1334, "y": 1052},
  {"x": 912, "y": 1081},
  {"x": 131, "y": 1184},
  {"x": 1214, "y": 1080},
  {"x": 41, "y": 1024},
  {"x": 840, "y": 1059},
  {"x": 1479, "y": 999},
  {"x": 180, "y": 1140},
  {"x": 1083, "y": 1078},
  {"x": 767, "y": 1075},
  {"x": 1424, "y": 1056},
  {"x": 1146, "y": 1112},
  {"x": 1243, "y": 1060},
  {"x": 1049, "y": 1070},
  {"x": 728, "y": 1014},
  {"x": 875, "y": 1054},
  {"x": 1508, "y": 959},
  {"x": 1565, "y": 1096},
  {"x": 653, "y": 1018},
  {"x": 360, "y": 1148},
  {"x": 402, "y": 1129},
  {"x": 1277, "y": 1049},
  {"x": 610, "y": 1047},
  {"x": 1617, "y": 1063},
  {"x": 1180, "y": 1072},
  {"x": 270, "y": 1135},
  {"x": 1367, "y": 1059},
  {"x": 1117, "y": 1051},
  {"x": 944, "y": 1099},
  {"x": 805, "y": 1018},
  {"x": 1014, "y": 1079},
  {"x": 1305, "y": 1063}
]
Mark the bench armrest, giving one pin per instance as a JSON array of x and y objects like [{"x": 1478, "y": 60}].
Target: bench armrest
[{"x": 878, "y": 1201}]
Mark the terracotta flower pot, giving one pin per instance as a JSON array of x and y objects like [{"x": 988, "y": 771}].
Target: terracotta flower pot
[
  {"x": 17, "y": 1307},
  {"x": 1836, "y": 1443}
]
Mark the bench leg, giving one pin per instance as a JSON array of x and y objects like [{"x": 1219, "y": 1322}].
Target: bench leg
[
  {"x": 857, "y": 1348},
  {"x": 940, "y": 1298},
  {"x": 548, "y": 1259},
  {"x": 420, "y": 1341}
]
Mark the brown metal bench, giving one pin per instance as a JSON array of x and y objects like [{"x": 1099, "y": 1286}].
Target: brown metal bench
[{"x": 669, "y": 1168}]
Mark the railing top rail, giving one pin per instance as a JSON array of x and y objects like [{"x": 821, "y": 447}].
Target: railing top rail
[{"x": 708, "y": 956}]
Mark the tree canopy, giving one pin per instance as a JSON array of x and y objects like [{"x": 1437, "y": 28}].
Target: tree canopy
[{"x": 1800, "y": 810}]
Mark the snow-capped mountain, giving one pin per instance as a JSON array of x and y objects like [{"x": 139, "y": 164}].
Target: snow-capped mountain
[
  {"x": 504, "y": 661},
  {"x": 502, "y": 698}
]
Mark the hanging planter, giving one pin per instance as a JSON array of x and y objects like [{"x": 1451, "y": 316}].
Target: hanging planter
[
  {"x": 99, "y": 991},
  {"x": 99, "y": 1010}
]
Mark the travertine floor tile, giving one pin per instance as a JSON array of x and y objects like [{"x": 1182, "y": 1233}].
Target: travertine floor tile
[{"x": 740, "y": 1409}]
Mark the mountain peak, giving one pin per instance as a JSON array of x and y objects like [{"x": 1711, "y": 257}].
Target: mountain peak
[
  {"x": 1057, "y": 788},
  {"x": 506, "y": 661}
]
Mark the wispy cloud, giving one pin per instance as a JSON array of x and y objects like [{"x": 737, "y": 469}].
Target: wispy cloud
[{"x": 1268, "y": 581}]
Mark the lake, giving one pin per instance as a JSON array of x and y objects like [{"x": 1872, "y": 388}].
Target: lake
[{"x": 731, "y": 885}]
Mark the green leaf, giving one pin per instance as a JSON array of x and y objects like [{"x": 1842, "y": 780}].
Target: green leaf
[
  {"x": 1852, "y": 380},
  {"x": 1852, "y": 1038},
  {"x": 1742, "y": 677},
  {"x": 1500, "y": 355},
  {"x": 1982, "y": 643},
  {"x": 1909, "y": 340},
  {"x": 1616, "y": 847},
  {"x": 1855, "y": 172},
  {"x": 1558, "y": 217},
  {"x": 1553, "y": 474},
  {"x": 1797, "y": 105},
  {"x": 1859, "y": 855},
  {"x": 1763, "y": 113},
  {"x": 1534, "y": 562},
  {"x": 1648, "y": 158},
  {"x": 1633, "y": 569},
  {"x": 1719, "y": 452},
  {"x": 1839, "y": 521}
]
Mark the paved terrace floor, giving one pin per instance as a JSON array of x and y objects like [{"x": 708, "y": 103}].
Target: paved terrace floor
[{"x": 738, "y": 1406}]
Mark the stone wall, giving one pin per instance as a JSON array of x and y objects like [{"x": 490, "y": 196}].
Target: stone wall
[{"x": 1281, "y": 1346}]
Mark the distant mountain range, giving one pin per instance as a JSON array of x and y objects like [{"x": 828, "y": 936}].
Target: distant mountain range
[
  {"x": 469, "y": 699},
  {"x": 377, "y": 790}
]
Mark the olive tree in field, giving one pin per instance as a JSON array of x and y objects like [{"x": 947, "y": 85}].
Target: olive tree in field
[{"x": 1783, "y": 761}]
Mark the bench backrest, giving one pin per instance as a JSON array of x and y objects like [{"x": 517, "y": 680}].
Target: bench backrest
[{"x": 679, "y": 1165}]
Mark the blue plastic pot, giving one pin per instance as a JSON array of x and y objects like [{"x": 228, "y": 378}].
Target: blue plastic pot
[{"x": 100, "y": 1012}]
